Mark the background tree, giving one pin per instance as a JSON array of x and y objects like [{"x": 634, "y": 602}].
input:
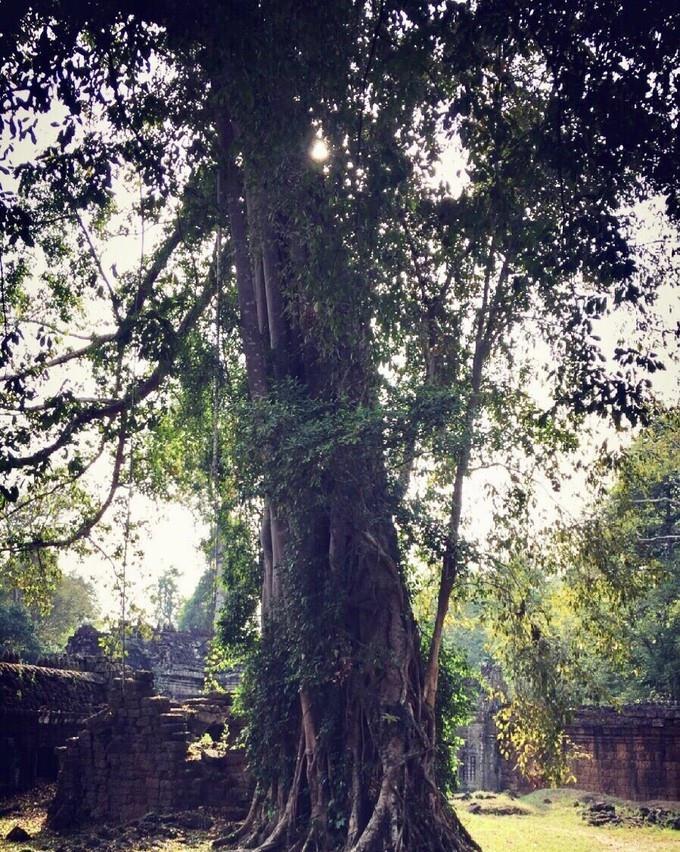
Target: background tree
[
  {"x": 18, "y": 638},
  {"x": 212, "y": 109},
  {"x": 581, "y": 612},
  {"x": 165, "y": 599},
  {"x": 72, "y": 604},
  {"x": 194, "y": 613},
  {"x": 625, "y": 575},
  {"x": 31, "y": 629}
]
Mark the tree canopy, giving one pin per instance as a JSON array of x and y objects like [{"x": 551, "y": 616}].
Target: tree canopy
[
  {"x": 308, "y": 295},
  {"x": 628, "y": 554},
  {"x": 31, "y": 629}
]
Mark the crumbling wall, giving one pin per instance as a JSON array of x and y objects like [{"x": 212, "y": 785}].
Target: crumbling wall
[
  {"x": 633, "y": 753},
  {"x": 133, "y": 758},
  {"x": 40, "y": 708}
]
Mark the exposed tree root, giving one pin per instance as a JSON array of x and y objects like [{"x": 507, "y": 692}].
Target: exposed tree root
[{"x": 408, "y": 815}]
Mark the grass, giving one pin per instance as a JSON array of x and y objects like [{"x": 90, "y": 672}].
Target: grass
[{"x": 557, "y": 827}]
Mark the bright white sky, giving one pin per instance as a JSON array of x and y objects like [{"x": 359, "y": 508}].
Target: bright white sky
[{"x": 170, "y": 538}]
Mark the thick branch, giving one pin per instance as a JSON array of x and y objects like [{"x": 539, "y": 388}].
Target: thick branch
[
  {"x": 136, "y": 393},
  {"x": 89, "y": 523},
  {"x": 143, "y": 292}
]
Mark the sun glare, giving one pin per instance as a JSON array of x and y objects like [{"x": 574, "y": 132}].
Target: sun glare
[{"x": 319, "y": 151}]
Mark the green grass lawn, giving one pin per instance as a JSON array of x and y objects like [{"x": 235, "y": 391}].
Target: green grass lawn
[{"x": 557, "y": 827}]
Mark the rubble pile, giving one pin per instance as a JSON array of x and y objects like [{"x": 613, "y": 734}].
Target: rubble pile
[{"x": 606, "y": 813}]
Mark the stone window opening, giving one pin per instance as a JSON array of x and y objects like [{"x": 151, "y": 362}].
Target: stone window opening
[{"x": 471, "y": 767}]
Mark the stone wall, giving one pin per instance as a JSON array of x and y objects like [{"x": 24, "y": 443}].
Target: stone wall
[
  {"x": 40, "y": 708},
  {"x": 633, "y": 753},
  {"x": 133, "y": 758}
]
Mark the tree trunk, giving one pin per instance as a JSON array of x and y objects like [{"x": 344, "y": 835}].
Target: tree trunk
[
  {"x": 489, "y": 322},
  {"x": 338, "y": 711}
]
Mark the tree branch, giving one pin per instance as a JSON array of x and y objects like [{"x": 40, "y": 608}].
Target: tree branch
[
  {"x": 139, "y": 390},
  {"x": 655, "y": 538},
  {"x": 89, "y": 523},
  {"x": 95, "y": 257},
  {"x": 143, "y": 292},
  {"x": 60, "y": 485}
]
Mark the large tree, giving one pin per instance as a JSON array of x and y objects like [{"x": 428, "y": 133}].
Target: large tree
[{"x": 286, "y": 149}]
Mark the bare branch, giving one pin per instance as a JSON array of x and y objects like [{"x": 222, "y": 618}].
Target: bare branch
[
  {"x": 64, "y": 358},
  {"x": 97, "y": 261},
  {"x": 62, "y": 332},
  {"x": 655, "y": 538},
  {"x": 52, "y": 402}
]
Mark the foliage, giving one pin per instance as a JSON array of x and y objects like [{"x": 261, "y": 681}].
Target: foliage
[
  {"x": 17, "y": 631},
  {"x": 241, "y": 581},
  {"x": 218, "y": 660},
  {"x": 456, "y": 696},
  {"x": 33, "y": 576},
  {"x": 72, "y": 603},
  {"x": 194, "y": 614},
  {"x": 268, "y": 699},
  {"x": 531, "y": 735},
  {"x": 586, "y": 612},
  {"x": 468, "y": 630},
  {"x": 207, "y": 744},
  {"x": 543, "y": 674},
  {"x": 31, "y": 629},
  {"x": 624, "y": 575},
  {"x": 165, "y": 598}
]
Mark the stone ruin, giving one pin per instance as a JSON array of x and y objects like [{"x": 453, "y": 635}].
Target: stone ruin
[
  {"x": 480, "y": 763},
  {"x": 177, "y": 658},
  {"x": 118, "y": 750},
  {"x": 632, "y": 752},
  {"x": 40, "y": 708},
  {"x": 607, "y": 813},
  {"x": 135, "y": 756},
  {"x": 125, "y": 751}
]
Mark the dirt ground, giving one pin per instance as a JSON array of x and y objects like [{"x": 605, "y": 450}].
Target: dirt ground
[{"x": 161, "y": 832}]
